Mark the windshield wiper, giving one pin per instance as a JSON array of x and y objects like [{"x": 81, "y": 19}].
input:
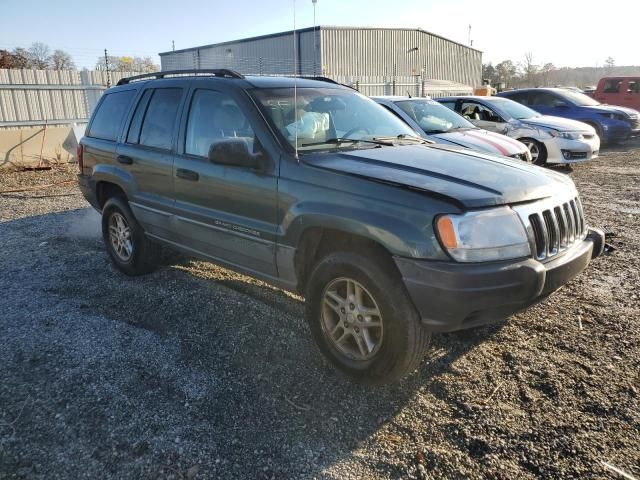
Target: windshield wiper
[
  {"x": 403, "y": 136},
  {"x": 338, "y": 141}
]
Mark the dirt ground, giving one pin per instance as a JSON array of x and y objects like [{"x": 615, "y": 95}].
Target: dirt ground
[{"x": 197, "y": 372}]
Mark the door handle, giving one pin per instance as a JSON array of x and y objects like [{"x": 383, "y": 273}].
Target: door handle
[
  {"x": 125, "y": 159},
  {"x": 187, "y": 174}
]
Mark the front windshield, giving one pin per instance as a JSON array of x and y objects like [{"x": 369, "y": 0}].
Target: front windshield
[
  {"x": 579, "y": 99},
  {"x": 514, "y": 109},
  {"x": 433, "y": 117},
  {"x": 324, "y": 115}
]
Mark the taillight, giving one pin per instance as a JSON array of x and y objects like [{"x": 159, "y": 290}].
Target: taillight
[{"x": 79, "y": 152}]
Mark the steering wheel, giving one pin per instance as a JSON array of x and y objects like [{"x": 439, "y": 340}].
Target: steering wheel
[{"x": 356, "y": 129}]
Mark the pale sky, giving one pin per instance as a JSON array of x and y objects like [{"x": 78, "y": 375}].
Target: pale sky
[{"x": 564, "y": 32}]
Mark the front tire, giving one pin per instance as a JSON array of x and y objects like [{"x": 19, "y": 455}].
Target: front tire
[
  {"x": 537, "y": 149},
  {"x": 362, "y": 318},
  {"x": 130, "y": 251}
]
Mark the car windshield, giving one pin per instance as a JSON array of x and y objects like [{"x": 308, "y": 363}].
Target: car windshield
[
  {"x": 513, "y": 109},
  {"x": 579, "y": 99},
  {"x": 331, "y": 118},
  {"x": 433, "y": 117}
]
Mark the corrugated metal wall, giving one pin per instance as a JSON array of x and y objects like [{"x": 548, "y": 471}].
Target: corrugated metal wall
[
  {"x": 358, "y": 53},
  {"x": 363, "y": 52},
  {"x": 272, "y": 55},
  {"x": 33, "y": 97}
]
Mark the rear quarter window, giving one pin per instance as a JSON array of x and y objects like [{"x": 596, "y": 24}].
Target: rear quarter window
[{"x": 110, "y": 114}]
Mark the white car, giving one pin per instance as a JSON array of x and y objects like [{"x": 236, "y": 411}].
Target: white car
[
  {"x": 439, "y": 124},
  {"x": 549, "y": 139}
]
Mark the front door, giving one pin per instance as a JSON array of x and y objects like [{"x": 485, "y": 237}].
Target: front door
[
  {"x": 226, "y": 212},
  {"x": 631, "y": 89},
  {"x": 482, "y": 116}
]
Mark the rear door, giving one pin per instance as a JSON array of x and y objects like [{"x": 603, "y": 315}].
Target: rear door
[
  {"x": 147, "y": 151},
  {"x": 227, "y": 212}
]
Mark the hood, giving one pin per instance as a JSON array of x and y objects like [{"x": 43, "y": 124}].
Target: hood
[
  {"x": 557, "y": 123},
  {"x": 613, "y": 109},
  {"x": 482, "y": 141},
  {"x": 466, "y": 178}
]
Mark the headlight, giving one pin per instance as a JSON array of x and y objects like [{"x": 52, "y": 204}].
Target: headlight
[
  {"x": 566, "y": 135},
  {"x": 482, "y": 236}
]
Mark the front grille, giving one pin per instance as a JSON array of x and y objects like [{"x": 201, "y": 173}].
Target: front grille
[
  {"x": 553, "y": 227},
  {"x": 635, "y": 122}
]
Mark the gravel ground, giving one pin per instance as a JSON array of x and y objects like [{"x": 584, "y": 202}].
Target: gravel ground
[{"x": 198, "y": 372}]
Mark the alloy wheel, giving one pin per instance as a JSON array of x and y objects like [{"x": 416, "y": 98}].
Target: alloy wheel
[
  {"x": 120, "y": 236},
  {"x": 351, "y": 319}
]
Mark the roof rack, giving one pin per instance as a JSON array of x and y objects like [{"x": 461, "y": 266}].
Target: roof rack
[
  {"x": 319, "y": 78},
  {"x": 216, "y": 72}
]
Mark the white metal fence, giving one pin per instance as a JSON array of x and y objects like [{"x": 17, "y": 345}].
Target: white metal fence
[{"x": 50, "y": 97}]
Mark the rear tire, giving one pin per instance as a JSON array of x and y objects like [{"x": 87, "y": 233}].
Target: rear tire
[
  {"x": 130, "y": 251},
  {"x": 537, "y": 149},
  {"x": 343, "y": 319}
]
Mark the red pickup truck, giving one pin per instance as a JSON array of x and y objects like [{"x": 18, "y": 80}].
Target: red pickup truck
[{"x": 623, "y": 91}]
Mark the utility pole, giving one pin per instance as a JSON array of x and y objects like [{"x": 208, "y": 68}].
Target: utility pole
[
  {"x": 315, "y": 46},
  {"x": 106, "y": 65},
  {"x": 173, "y": 45},
  {"x": 470, "y": 42}
]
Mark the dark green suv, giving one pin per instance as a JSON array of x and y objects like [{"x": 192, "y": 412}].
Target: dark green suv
[{"x": 317, "y": 189}]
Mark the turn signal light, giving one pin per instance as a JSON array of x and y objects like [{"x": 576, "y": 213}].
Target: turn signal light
[{"x": 446, "y": 232}]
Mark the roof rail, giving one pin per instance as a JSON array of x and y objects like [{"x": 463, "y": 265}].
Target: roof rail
[
  {"x": 321, "y": 79},
  {"x": 216, "y": 72}
]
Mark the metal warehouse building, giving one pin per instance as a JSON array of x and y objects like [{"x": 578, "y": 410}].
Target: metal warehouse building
[{"x": 382, "y": 59}]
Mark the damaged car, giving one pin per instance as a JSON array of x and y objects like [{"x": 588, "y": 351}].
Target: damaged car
[
  {"x": 551, "y": 140},
  {"x": 441, "y": 125},
  {"x": 315, "y": 188}
]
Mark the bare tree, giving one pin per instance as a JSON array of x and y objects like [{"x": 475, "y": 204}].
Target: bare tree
[
  {"x": 20, "y": 58},
  {"x": 609, "y": 64},
  {"x": 546, "y": 71},
  {"x": 530, "y": 68},
  {"x": 39, "y": 56},
  {"x": 506, "y": 72},
  {"x": 61, "y": 60}
]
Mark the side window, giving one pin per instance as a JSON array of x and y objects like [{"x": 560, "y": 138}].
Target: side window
[
  {"x": 108, "y": 119},
  {"x": 134, "y": 129},
  {"x": 542, "y": 99},
  {"x": 475, "y": 111},
  {"x": 160, "y": 118},
  {"x": 405, "y": 108},
  {"x": 521, "y": 97},
  {"x": 449, "y": 105},
  {"x": 214, "y": 116},
  {"x": 634, "y": 86},
  {"x": 612, "y": 86}
]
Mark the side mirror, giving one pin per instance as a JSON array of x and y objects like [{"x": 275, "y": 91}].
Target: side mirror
[{"x": 235, "y": 152}]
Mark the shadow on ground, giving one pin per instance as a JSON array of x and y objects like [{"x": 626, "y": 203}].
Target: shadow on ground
[{"x": 190, "y": 367}]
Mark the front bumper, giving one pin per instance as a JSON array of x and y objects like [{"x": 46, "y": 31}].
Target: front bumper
[
  {"x": 579, "y": 150},
  {"x": 454, "y": 296}
]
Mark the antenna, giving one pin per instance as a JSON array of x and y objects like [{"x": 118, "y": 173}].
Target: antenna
[
  {"x": 470, "y": 41},
  {"x": 295, "y": 79}
]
